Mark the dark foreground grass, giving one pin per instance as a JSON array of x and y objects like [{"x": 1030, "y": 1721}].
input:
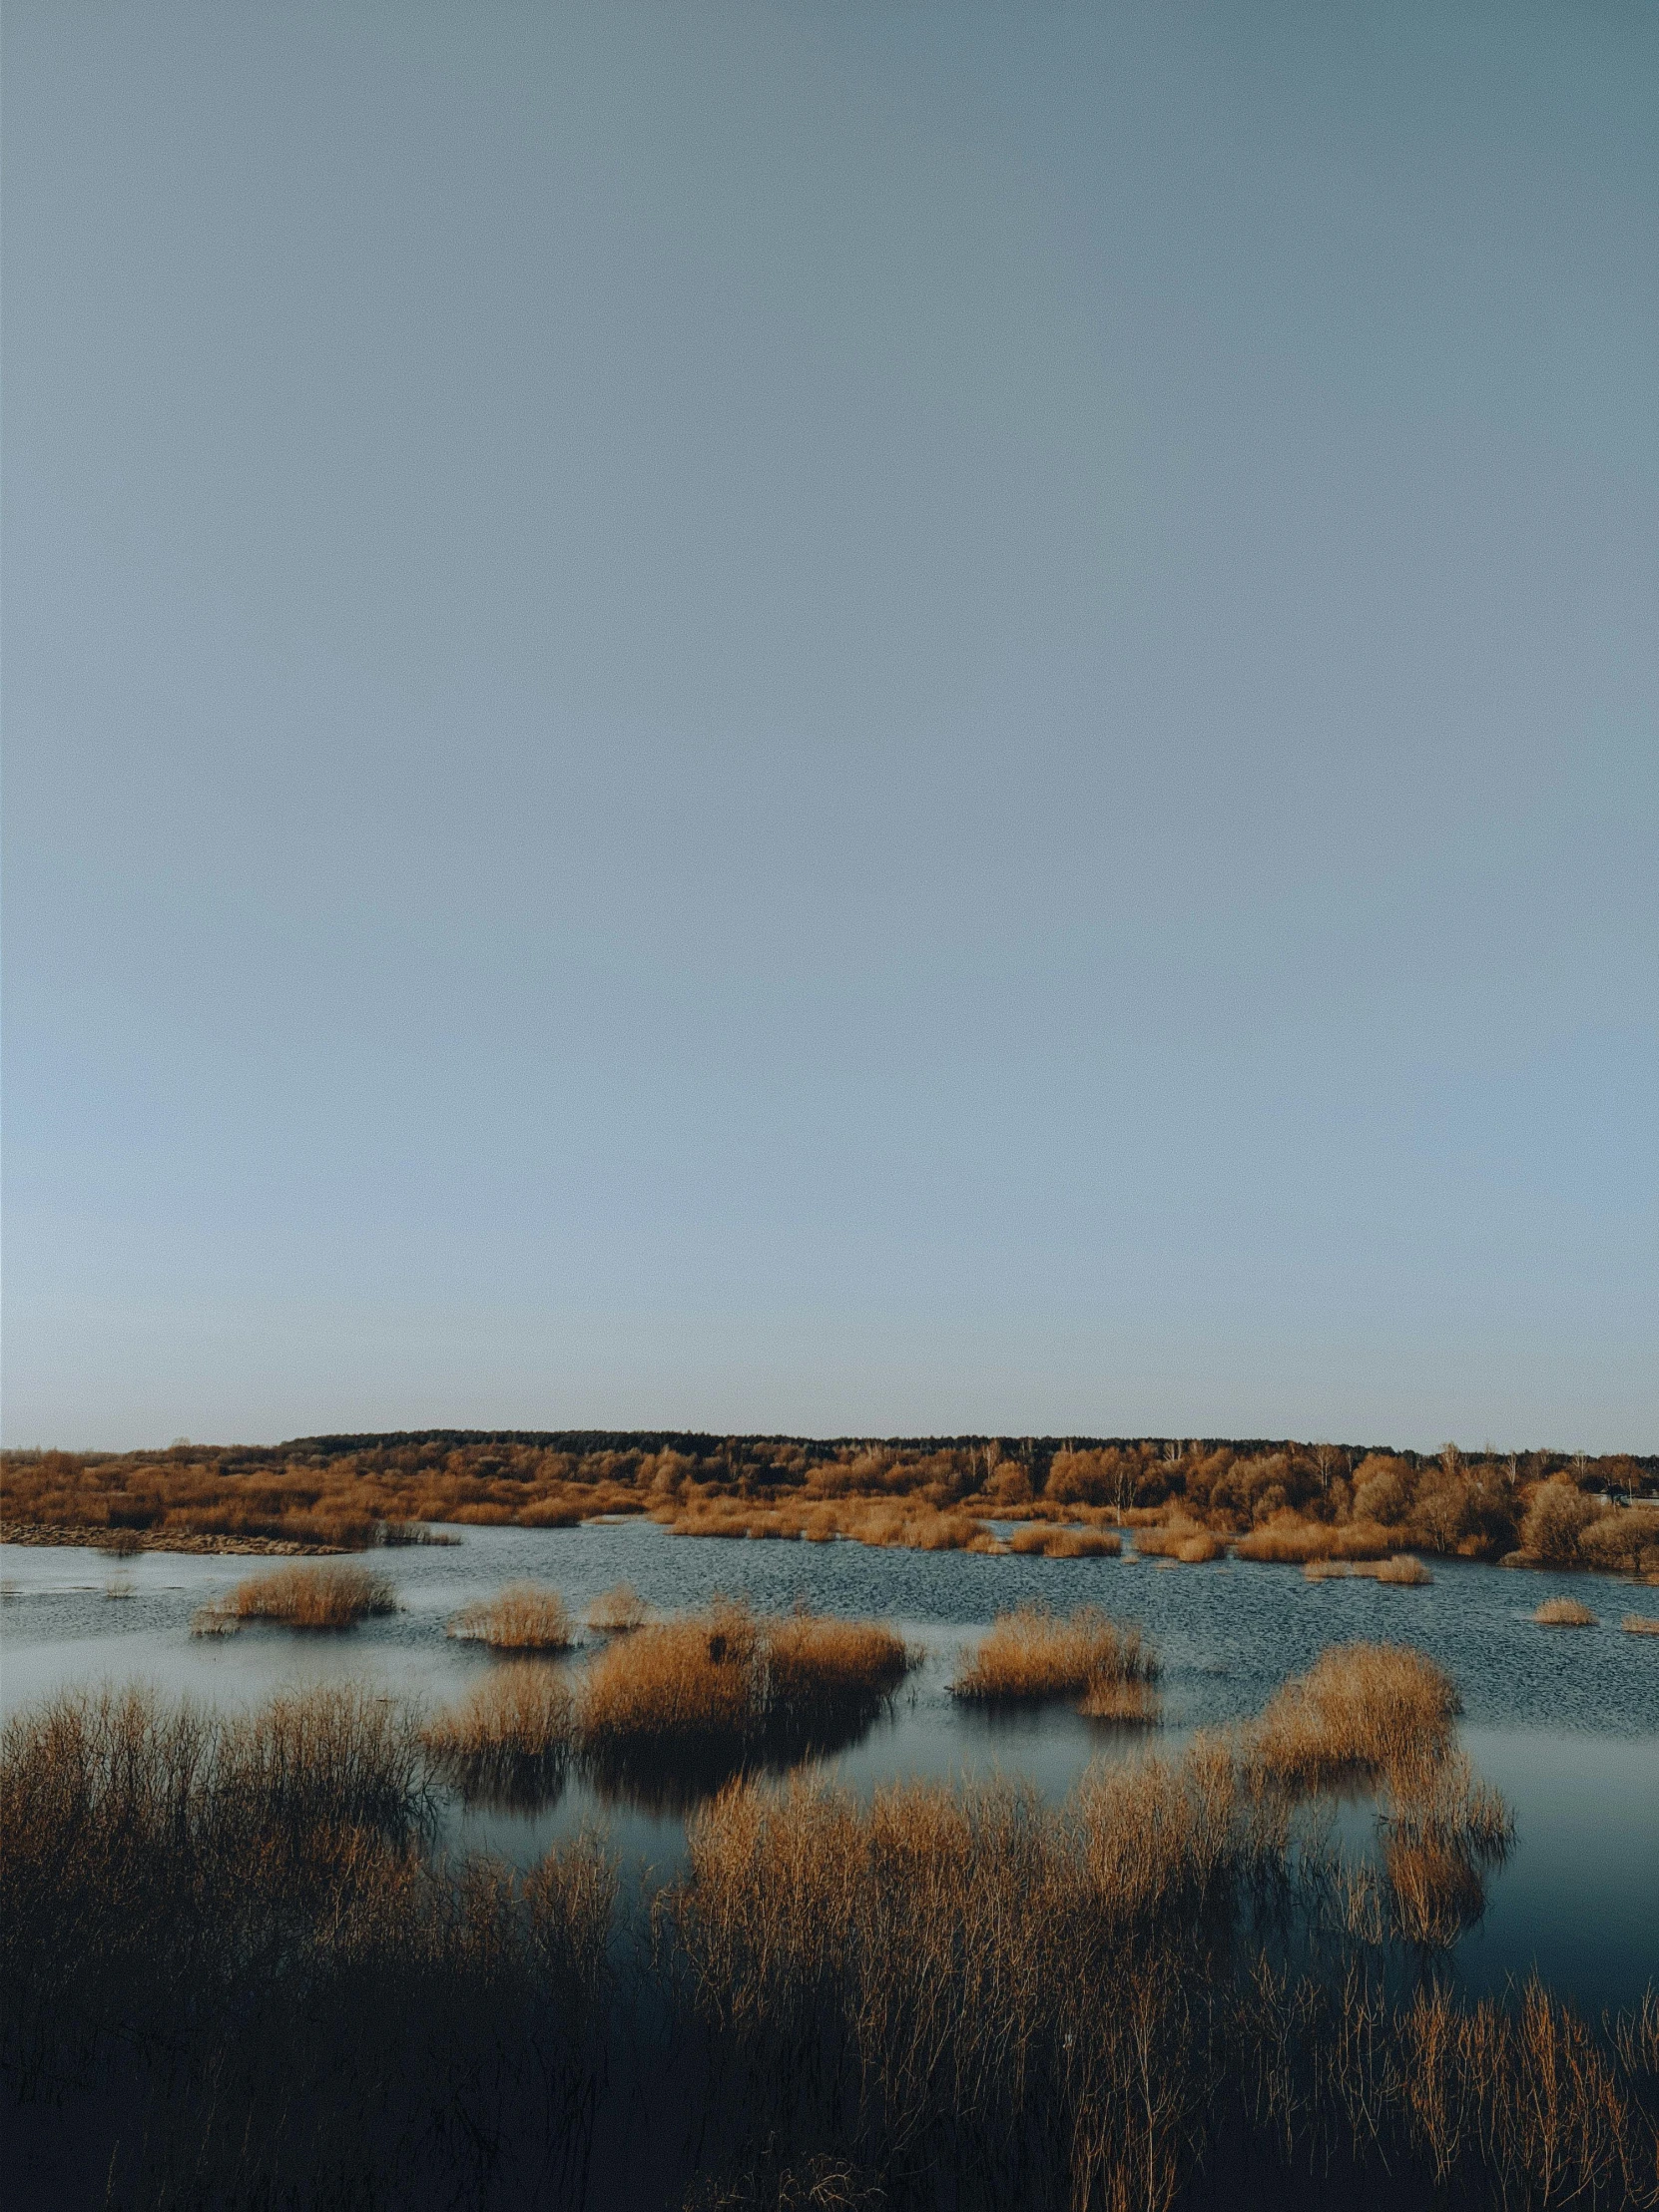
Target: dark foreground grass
[{"x": 241, "y": 1974}]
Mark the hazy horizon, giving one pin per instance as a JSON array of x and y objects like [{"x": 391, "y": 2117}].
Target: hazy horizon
[{"x": 867, "y": 721}]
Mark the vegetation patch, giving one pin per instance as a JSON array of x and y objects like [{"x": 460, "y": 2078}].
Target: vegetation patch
[
  {"x": 523, "y": 1616},
  {"x": 617, "y": 1612},
  {"x": 509, "y": 1739},
  {"x": 300, "y": 1597},
  {"x": 1564, "y": 1612},
  {"x": 1361, "y": 1710},
  {"x": 1033, "y": 1655}
]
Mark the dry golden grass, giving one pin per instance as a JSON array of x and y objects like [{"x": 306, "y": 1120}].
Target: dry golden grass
[
  {"x": 1127, "y": 1704},
  {"x": 1289, "y": 1540},
  {"x": 619, "y": 1611},
  {"x": 509, "y": 1738},
  {"x": 1403, "y": 1570},
  {"x": 1640, "y": 1624},
  {"x": 1033, "y": 1654},
  {"x": 523, "y": 1616},
  {"x": 1564, "y": 1612},
  {"x": 1036, "y": 1540},
  {"x": 813, "y": 1662},
  {"x": 677, "y": 1705},
  {"x": 300, "y": 1597},
  {"x": 1181, "y": 1542},
  {"x": 689, "y": 1683},
  {"x": 1362, "y": 1710},
  {"x": 235, "y": 1978}
]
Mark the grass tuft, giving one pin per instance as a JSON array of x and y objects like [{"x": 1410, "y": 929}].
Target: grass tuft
[
  {"x": 523, "y": 1616},
  {"x": 1564, "y": 1612},
  {"x": 300, "y": 1597},
  {"x": 1640, "y": 1624},
  {"x": 1361, "y": 1710},
  {"x": 509, "y": 1739},
  {"x": 1033, "y": 1655},
  {"x": 618, "y": 1612}
]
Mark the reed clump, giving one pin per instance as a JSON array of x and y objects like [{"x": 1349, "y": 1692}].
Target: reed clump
[
  {"x": 1564, "y": 1612},
  {"x": 1359, "y": 1712},
  {"x": 509, "y": 1739},
  {"x": 300, "y": 1597},
  {"x": 1180, "y": 1542},
  {"x": 1289, "y": 1540},
  {"x": 1032, "y": 1655},
  {"x": 618, "y": 1611},
  {"x": 1640, "y": 1624},
  {"x": 523, "y": 1616},
  {"x": 677, "y": 1706},
  {"x": 1037, "y": 1541},
  {"x": 1403, "y": 1570}
]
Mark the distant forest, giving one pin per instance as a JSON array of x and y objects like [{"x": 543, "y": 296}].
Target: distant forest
[{"x": 1261, "y": 1497}]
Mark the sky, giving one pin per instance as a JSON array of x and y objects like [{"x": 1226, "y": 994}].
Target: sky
[{"x": 862, "y": 718}]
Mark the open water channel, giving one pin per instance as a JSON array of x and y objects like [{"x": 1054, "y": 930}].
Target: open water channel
[{"x": 1566, "y": 1722}]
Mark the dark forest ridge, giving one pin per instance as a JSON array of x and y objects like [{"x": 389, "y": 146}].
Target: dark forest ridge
[{"x": 1262, "y": 1498}]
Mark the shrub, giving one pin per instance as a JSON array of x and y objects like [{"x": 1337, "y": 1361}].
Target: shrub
[
  {"x": 1033, "y": 1654},
  {"x": 1361, "y": 1710},
  {"x": 521, "y": 1617},
  {"x": 509, "y": 1738},
  {"x": 1564, "y": 1612},
  {"x": 617, "y": 1612},
  {"x": 1640, "y": 1624},
  {"x": 1403, "y": 1570},
  {"x": 1065, "y": 1543},
  {"x": 1555, "y": 1521},
  {"x": 1291, "y": 1541},
  {"x": 301, "y": 1597}
]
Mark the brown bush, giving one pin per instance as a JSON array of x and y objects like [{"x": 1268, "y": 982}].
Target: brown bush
[
  {"x": 509, "y": 1738},
  {"x": 1564, "y": 1612},
  {"x": 301, "y": 1597},
  {"x": 1554, "y": 1522},
  {"x": 1362, "y": 1710},
  {"x": 1033, "y": 1654},
  {"x": 521, "y": 1617},
  {"x": 1292, "y": 1541},
  {"x": 619, "y": 1611},
  {"x": 1640, "y": 1624}
]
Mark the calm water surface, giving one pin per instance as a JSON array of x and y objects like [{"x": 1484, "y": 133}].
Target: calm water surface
[{"x": 1564, "y": 1722}]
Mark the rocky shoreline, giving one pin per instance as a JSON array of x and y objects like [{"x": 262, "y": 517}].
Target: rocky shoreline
[{"x": 147, "y": 1539}]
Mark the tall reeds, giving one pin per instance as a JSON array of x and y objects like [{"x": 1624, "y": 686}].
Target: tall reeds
[
  {"x": 509, "y": 1739},
  {"x": 1032, "y": 1655},
  {"x": 300, "y": 1597},
  {"x": 236, "y": 1976},
  {"x": 617, "y": 1612},
  {"x": 523, "y": 1616},
  {"x": 1564, "y": 1612},
  {"x": 1361, "y": 1710}
]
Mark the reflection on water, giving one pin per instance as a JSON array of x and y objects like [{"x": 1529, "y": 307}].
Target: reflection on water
[{"x": 1567, "y": 1728}]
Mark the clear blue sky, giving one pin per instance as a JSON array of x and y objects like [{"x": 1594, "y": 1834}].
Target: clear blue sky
[{"x": 832, "y": 718}]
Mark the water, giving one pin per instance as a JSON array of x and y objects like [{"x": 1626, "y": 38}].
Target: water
[{"x": 1565, "y": 1721}]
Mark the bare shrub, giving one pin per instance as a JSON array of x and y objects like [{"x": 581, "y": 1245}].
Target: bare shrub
[
  {"x": 301, "y": 1597},
  {"x": 1034, "y": 1654},
  {"x": 509, "y": 1738},
  {"x": 619, "y": 1611},
  {"x": 1359, "y": 1711},
  {"x": 1564, "y": 1612},
  {"x": 1065, "y": 1543},
  {"x": 524, "y": 1616},
  {"x": 1288, "y": 1540},
  {"x": 1182, "y": 1542},
  {"x": 1554, "y": 1522}
]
